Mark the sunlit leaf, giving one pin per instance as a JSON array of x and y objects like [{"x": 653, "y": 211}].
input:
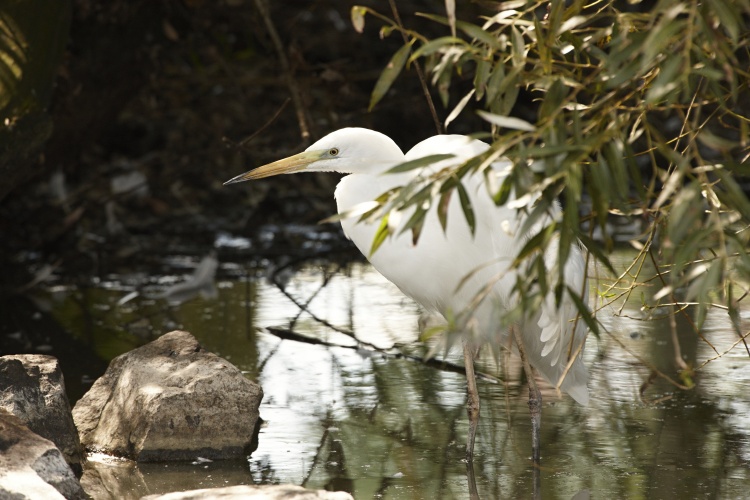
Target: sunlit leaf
[
  {"x": 384, "y": 230},
  {"x": 450, "y": 11},
  {"x": 358, "y": 18},
  {"x": 434, "y": 46},
  {"x": 459, "y": 107},
  {"x": 507, "y": 121}
]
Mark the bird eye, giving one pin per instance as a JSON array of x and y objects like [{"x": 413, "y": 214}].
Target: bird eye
[{"x": 333, "y": 151}]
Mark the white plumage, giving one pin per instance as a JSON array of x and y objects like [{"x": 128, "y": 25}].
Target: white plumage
[
  {"x": 434, "y": 271},
  {"x": 430, "y": 271}
]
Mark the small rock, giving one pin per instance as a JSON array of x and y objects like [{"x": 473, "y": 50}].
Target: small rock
[
  {"x": 32, "y": 388},
  {"x": 267, "y": 492},
  {"x": 32, "y": 467},
  {"x": 170, "y": 400}
]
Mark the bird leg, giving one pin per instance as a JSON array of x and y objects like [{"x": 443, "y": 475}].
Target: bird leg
[
  {"x": 472, "y": 403},
  {"x": 535, "y": 400}
]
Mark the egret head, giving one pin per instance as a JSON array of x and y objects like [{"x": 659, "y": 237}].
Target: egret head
[{"x": 348, "y": 150}]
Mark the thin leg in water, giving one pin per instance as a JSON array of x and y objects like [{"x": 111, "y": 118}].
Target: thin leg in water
[
  {"x": 472, "y": 403},
  {"x": 535, "y": 400}
]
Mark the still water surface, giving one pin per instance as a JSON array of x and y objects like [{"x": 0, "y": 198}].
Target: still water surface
[{"x": 346, "y": 412}]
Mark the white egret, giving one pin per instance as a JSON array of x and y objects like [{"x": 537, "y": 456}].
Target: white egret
[{"x": 445, "y": 271}]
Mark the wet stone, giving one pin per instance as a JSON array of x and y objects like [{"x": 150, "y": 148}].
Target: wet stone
[
  {"x": 170, "y": 400},
  {"x": 33, "y": 389},
  {"x": 32, "y": 467}
]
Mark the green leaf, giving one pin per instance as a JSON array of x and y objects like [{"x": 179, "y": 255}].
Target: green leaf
[
  {"x": 503, "y": 194},
  {"x": 390, "y": 73},
  {"x": 481, "y": 75},
  {"x": 468, "y": 210},
  {"x": 415, "y": 223},
  {"x": 381, "y": 234},
  {"x": 519, "y": 48},
  {"x": 667, "y": 80},
  {"x": 583, "y": 310},
  {"x": 493, "y": 84},
  {"x": 595, "y": 249},
  {"x": 450, "y": 10},
  {"x": 507, "y": 121},
  {"x": 459, "y": 107},
  {"x": 435, "y": 45},
  {"x": 732, "y": 194},
  {"x": 553, "y": 99},
  {"x": 702, "y": 286},
  {"x": 536, "y": 243},
  {"x": 418, "y": 162},
  {"x": 728, "y": 15},
  {"x": 442, "y": 208}
]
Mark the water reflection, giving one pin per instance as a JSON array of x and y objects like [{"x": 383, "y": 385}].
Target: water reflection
[{"x": 340, "y": 414}]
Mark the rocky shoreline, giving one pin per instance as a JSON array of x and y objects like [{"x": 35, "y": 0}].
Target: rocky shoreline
[{"x": 169, "y": 400}]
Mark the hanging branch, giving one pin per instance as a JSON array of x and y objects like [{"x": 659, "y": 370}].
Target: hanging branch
[
  {"x": 420, "y": 73},
  {"x": 294, "y": 90}
]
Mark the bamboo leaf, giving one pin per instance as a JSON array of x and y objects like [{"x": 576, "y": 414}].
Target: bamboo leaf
[
  {"x": 503, "y": 194},
  {"x": 459, "y": 107},
  {"x": 468, "y": 210},
  {"x": 536, "y": 243},
  {"x": 442, "y": 209},
  {"x": 390, "y": 73},
  {"x": 381, "y": 234},
  {"x": 595, "y": 249},
  {"x": 519, "y": 48},
  {"x": 418, "y": 163},
  {"x": 450, "y": 10},
  {"x": 584, "y": 312},
  {"x": 416, "y": 220},
  {"x": 434, "y": 46},
  {"x": 507, "y": 121}
]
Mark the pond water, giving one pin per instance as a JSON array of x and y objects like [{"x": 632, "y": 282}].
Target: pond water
[{"x": 355, "y": 409}]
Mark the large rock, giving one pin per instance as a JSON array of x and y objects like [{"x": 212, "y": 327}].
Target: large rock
[
  {"x": 32, "y": 467},
  {"x": 33, "y": 389},
  {"x": 268, "y": 492},
  {"x": 170, "y": 400}
]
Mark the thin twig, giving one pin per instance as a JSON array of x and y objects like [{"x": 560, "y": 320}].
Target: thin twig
[
  {"x": 442, "y": 365},
  {"x": 420, "y": 73},
  {"x": 262, "y": 6},
  {"x": 252, "y": 136}
]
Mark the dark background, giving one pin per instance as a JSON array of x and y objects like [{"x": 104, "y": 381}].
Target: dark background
[{"x": 170, "y": 90}]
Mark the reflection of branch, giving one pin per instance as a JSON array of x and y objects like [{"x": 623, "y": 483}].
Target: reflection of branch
[
  {"x": 289, "y": 334},
  {"x": 319, "y": 450},
  {"x": 262, "y": 6},
  {"x": 442, "y": 365},
  {"x": 303, "y": 307}
]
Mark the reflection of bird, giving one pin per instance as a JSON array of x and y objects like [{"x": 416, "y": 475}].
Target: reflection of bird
[{"x": 448, "y": 271}]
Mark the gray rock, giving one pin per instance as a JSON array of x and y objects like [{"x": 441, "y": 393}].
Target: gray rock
[
  {"x": 32, "y": 388},
  {"x": 268, "y": 492},
  {"x": 32, "y": 467},
  {"x": 170, "y": 400}
]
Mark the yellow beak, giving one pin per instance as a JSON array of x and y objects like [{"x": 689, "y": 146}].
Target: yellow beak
[{"x": 290, "y": 165}]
